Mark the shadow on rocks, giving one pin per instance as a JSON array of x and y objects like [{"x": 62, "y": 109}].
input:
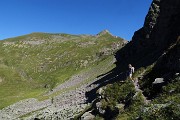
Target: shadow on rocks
[{"x": 109, "y": 78}]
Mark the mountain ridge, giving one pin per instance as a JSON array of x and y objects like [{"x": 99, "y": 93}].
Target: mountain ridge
[
  {"x": 34, "y": 65},
  {"x": 47, "y": 33}
]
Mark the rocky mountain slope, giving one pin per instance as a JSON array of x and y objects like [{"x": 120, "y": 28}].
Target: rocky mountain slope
[
  {"x": 154, "y": 51},
  {"x": 95, "y": 88},
  {"x": 50, "y": 73}
]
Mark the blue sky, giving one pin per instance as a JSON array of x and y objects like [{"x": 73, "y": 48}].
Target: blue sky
[{"x": 121, "y": 17}]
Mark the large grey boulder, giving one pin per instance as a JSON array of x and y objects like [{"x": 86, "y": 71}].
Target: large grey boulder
[{"x": 158, "y": 81}]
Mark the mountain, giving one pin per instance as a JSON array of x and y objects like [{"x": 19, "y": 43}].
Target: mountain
[
  {"x": 156, "y": 43},
  {"x": 37, "y": 68},
  {"x": 104, "y": 32},
  {"x": 62, "y": 76},
  {"x": 154, "y": 51},
  {"x": 160, "y": 31}
]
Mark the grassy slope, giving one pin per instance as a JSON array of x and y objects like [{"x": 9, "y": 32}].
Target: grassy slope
[{"x": 33, "y": 64}]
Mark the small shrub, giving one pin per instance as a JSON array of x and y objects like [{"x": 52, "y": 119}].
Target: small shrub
[{"x": 119, "y": 91}]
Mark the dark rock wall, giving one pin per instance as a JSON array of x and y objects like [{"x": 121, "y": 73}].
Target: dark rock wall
[
  {"x": 170, "y": 60},
  {"x": 160, "y": 31}
]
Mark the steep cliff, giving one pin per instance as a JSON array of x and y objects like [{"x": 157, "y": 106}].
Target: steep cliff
[{"x": 161, "y": 30}]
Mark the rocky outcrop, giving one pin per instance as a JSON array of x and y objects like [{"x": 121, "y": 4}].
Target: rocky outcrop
[
  {"x": 170, "y": 60},
  {"x": 104, "y": 32},
  {"x": 161, "y": 30}
]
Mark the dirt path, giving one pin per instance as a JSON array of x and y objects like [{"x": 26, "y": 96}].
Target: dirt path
[{"x": 138, "y": 90}]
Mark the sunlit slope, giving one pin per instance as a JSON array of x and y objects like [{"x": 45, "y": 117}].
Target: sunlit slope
[{"x": 35, "y": 63}]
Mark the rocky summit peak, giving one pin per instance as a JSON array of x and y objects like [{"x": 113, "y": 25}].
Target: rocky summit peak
[{"x": 104, "y": 32}]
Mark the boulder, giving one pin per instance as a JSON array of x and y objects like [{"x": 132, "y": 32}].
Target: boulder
[
  {"x": 87, "y": 116},
  {"x": 158, "y": 81},
  {"x": 101, "y": 92},
  {"x": 99, "y": 108},
  {"x": 177, "y": 74}
]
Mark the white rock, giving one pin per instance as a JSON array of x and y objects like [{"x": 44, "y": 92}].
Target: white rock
[{"x": 158, "y": 80}]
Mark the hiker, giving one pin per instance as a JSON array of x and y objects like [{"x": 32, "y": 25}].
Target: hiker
[{"x": 130, "y": 71}]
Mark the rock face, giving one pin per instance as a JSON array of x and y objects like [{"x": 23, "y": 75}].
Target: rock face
[{"x": 158, "y": 40}]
